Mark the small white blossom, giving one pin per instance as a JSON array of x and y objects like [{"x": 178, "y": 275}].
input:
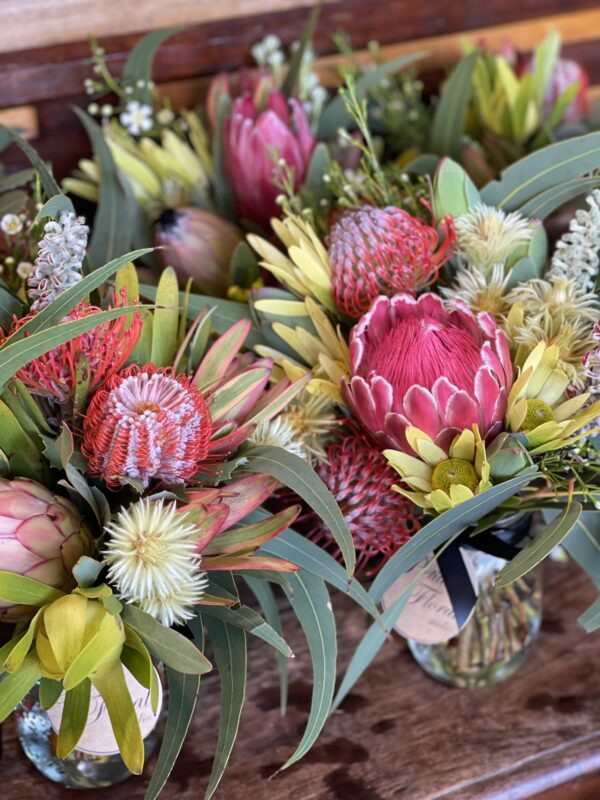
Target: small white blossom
[
  {"x": 58, "y": 265},
  {"x": 137, "y": 117},
  {"x": 25, "y": 270},
  {"x": 165, "y": 116},
  {"x": 577, "y": 253},
  {"x": 11, "y": 224}
]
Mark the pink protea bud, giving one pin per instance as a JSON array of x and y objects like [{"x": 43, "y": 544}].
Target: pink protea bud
[
  {"x": 417, "y": 363},
  {"x": 42, "y": 535},
  {"x": 259, "y": 144},
  {"x": 382, "y": 251},
  {"x": 93, "y": 356},
  {"x": 199, "y": 245},
  {"x": 146, "y": 424},
  {"x": 566, "y": 72},
  {"x": 380, "y": 520}
]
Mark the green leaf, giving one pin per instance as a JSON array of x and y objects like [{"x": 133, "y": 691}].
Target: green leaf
[
  {"x": 166, "y": 644},
  {"x": 335, "y": 114},
  {"x": 56, "y": 311},
  {"x": 310, "y": 601},
  {"x": 10, "y": 306},
  {"x": 249, "y": 620},
  {"x": 543, "y": 204},
  {"x": 18, "y": 653},
  {"x": 583, "y": 543},
  {"x": 54, "y": 206},
  {"x": 317, "y": 169},
  {"x": 543, "y": 544},
  {"x": 290, "y": 84},
  {"x": 443, "y": 527},
  {"x": 448, "y": 123},
  {"x": 12, "y": 202},
  {"x": 542, "y": 170},
  {"x": 263, "y": 592},
  {"x": 50, "y": 691},
  {"x": 298, "y": 475},
  {"x": 74, "y": 718},
  {"x": 16, "y": 179},
  {"x": 166, "y": 320},
  {"x": 138, "y": 66},
  {"x": 299, "y": 550},
  {"x": 14, "y": 687},
  {"x": 86, "y": 571},
  {"x": 183, "y": 695},
  {"x": 123, "y": 717},
  {"x": 229, "y": 647},
  {"x": 590, "y": 619},
  {"x": 25, "y": 591},
  {"x": 17, "y": 355},
  {"x": 49, "y": 184},
  {"x": 111, "y": 235}
]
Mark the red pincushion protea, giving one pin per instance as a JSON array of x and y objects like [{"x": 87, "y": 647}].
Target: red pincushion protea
[
  {"x": 382, "y": 251},
  {"x": 417, "y": 363},
  {"x": 146, "y": 424},
  {"x": 96, "y": 355},
  {"x": 380, "y": 520}
]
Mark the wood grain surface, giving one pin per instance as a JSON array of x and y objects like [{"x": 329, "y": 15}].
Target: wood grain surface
[{"x": 399, "y": 735}]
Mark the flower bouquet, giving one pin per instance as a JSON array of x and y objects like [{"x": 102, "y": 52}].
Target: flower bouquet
[{"x": 350, "y": 324}]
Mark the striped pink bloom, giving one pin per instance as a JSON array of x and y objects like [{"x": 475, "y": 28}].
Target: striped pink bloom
[{"x": 417, "y": 363}]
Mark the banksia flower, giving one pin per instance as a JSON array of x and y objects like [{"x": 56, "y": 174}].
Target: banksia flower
[
  {"x": 263, "y": 139},
  {"x": 380, "y": 520},
  {"x": 382, "y": 251},
  {"x": 90, "y": 358},
  {"x": 415, "y": 363},
  {"x": 199, "y": 245},
  {"x": 60, "y": 259},
  {"x": 42, "y": 535},
  {"x": 577, "y": 253},
  {"x": 153, "y": 561},
  {"x": 146, "y": 424}
]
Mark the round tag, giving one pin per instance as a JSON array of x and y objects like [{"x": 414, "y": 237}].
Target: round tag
[
  {"x": 428, "y": 616},
  {"x": 98, "y": 738}
]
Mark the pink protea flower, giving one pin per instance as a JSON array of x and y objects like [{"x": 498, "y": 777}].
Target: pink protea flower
[
  {"x": 416, "y": 363},
  {"x": 375, "y": 251},
  {"x": 566, "y": 72},
  {"x": 42, "y": 535},
  {"x": 146, "y": 424},
  {"x": 97, "y": 355},
  {"x": 380, "y": 520},
  {"x": 261, "y": 138}
]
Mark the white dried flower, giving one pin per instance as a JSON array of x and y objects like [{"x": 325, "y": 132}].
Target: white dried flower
[
  {"x": 165, "y": 116},
  {"x": 487, "y": 236},
  {"x": 25, "y": 270},
  {"x": 58, "y": 265},
  {"x": 577, "y": 253},
  {"x": 137, "y": 117},
  {"x": 152, "y": 559},
  {"x": 278, "y": 432},
  {"x": 11, "y": 224},
  {"x": 480, "y": 291}
]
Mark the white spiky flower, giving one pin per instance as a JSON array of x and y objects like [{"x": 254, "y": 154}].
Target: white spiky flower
[
  {"x": 152, "y": 559},
  {"x": 480, "y": 291},
  {"x": 577, "y": 253},
  {"x": 487, "y": 236},
  {"x": 278, "y": 432}
]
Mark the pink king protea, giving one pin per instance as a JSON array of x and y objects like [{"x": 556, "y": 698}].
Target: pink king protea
[
  {"x": 146, "y": 424},
  {"x": 380, "y": 520},
  {"x": 259, "y": 139},
  {"x": 416, "y": 363},
  {"x": 376, "y": 251}
]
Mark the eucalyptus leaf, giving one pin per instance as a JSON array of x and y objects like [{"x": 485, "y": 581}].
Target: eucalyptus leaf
[
  {"x": 140, "y": 60},
  {"x": 10, "y": 307},
  {"x": 249, "y": 620},
  {"x": 540, "y": 547},
  {"x": 49, "y": 184},
  {"x": 54, "y": 206},
  {"x": 448, "y": 123},
  {"x": 545, "y": 203},
  {"x": 542, "y": 170},
  {"x": 583, "y": 543},
  {"x": 298, "y": 475},
  {"x": 310, "y": 601},
  {"x": 12, "y": 202},
  {"x": 290, "y": 84},
  {"x": 111, "y": 235},
  {"x": 440, "y": 529},
  {"x": 166, "y": 644},
  {"x": 590, "y": 619}
]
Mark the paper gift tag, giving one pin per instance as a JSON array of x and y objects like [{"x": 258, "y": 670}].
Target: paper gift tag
[
  {"x": 98, "y": 738},
  {"x": 428, "y": 616}
]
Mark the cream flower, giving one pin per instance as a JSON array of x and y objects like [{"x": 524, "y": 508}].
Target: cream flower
[
  {"x": 152, "y": 560},
  {"x": 137, "y": 117},
  {"x": 488, "y": 235},
  {"x": 11, "y": 224}
]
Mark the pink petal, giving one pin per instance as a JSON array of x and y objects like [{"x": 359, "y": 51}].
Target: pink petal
[
  {"x": 486, "y": 392},
  {"x": 421, "y": 409},
  {"x": 462, "y": 411},
  {"x": 443, "y": 390},
  {"x": 39, "y": 535}
]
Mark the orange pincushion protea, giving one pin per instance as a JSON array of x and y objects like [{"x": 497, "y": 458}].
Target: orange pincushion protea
[{"x": 146, "y": 424}]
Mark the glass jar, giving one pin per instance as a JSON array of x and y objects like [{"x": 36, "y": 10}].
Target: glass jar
[
  {"x": 498, "y": 636},
  {"x": 96, "y": 761}
]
